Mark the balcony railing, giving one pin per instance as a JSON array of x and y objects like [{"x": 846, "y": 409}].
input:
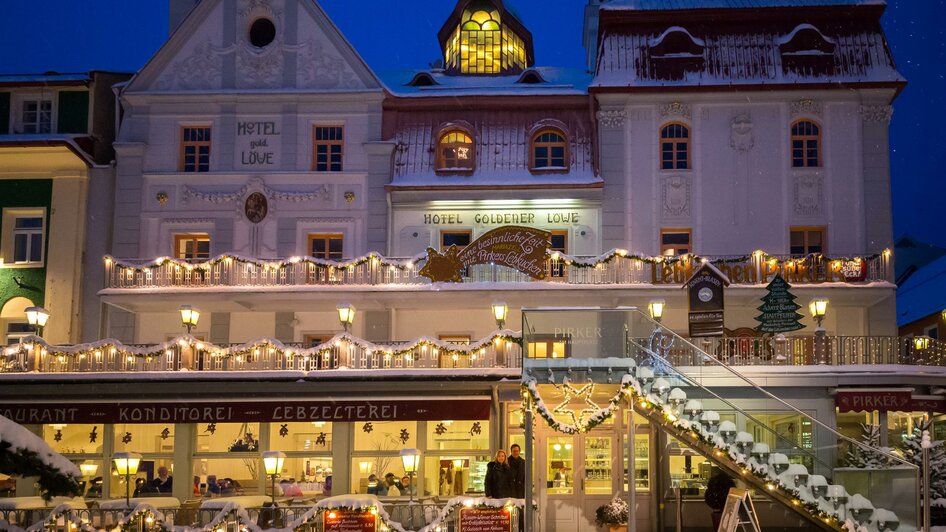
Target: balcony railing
[{"x": 614, "y": 268}]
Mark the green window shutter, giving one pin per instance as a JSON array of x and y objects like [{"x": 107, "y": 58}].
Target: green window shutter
[
  {"x": 4, "y": 113},
  {"x": 73, "y": 111}
]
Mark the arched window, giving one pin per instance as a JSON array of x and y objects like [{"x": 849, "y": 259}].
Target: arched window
[
  {"x": 549, "y": 150},
  {"x": 675, "y": 147},
  {"x": 806, "y": 144},
  {"x": 455, "y": 151}
]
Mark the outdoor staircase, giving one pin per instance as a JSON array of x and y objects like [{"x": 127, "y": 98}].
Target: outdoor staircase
[{"x": 706, "y": 407}]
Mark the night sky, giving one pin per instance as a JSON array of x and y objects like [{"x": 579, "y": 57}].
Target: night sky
[{"x": 75, "y": 36}]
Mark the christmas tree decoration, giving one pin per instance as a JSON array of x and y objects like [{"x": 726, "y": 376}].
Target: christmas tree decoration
[
  {"x": 779, "y": 309},
  {"x": 404, "y": 436},
  {"x": 476, "y": 429},
  {"x": 440, "y": 429},
  {"x": 913, "y": 453},
  {"x": 211, "y": 428},
  {"x": 284, "y": 430},
  {"x": 367, "y": 428},
  {"x": 94, "y": 435},
  {"x": 320, "y": 440},
  {"x": 166, "y": 433},
  {"x": 126, "y": 439},
  {"x": 57, "y": 437}
]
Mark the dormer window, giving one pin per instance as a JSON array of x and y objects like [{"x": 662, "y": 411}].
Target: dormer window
[
  {"x": 481, "y": 37},
  {"x": 549, "y": 151},
  {"x": 807, "y": 51},
  {"x": 531, "y": 77},
  {"x": 455, "y": 152},
  {"x": 675, "y": 52}
]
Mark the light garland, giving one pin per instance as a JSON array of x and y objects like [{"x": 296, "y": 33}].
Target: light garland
[
  {"x": 230, "y": 258},
  {"x": 66, "y": 512},
  {"x": 758, "y": 255},
  {"x": 151, "y": 516},
  {"x": 247, "y": 351}
]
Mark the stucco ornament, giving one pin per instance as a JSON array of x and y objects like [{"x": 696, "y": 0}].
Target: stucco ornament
[
  {"x": 319, "y": 66},
  {"x": 806, "y": 106},
  {"x": 612, "y": 118},
  {"x": 876, "y": 113},
  {"x": 808, "y": 195},
  {"x": 219, "y": 197},
  {"x": 740, "y": 135},
  {"x": 675, "y": 192},
  {"x": 682, "y": 110},
  {"x": 201, "y": 69}
]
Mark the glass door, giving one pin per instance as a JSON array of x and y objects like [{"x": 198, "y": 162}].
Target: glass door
[
  {"x": 560, "y": 464},
  {"x": 598, "y": 465}
]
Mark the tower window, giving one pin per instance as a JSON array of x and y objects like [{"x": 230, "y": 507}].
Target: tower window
[{"x": 482, "y": 44}]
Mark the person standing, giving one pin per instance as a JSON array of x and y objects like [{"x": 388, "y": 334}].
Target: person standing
[
  {"x": 517, "y": 465},
  {"x": 499, "y": 480}
]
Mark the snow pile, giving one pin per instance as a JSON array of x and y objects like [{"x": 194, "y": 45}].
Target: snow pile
[{"x": 22, "y": 440}]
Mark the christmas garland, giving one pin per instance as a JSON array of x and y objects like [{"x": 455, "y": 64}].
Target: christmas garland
[
  {"x": 346, "y": 504},
  {"x": 65, "y": 512},
  {"x": 152, "y": 517},
  {"x": 255, "y": 348},
  {"x": 761, "y": 256}
]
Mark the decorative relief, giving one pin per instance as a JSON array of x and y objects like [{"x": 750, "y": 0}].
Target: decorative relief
[
  {"x": 320, "y": 66},
  {"x": 740, "y": 135},
  {"x": 612, "y": 119},
  {"x": 876, "y": 113},
  {"x": 675, "y": 196},
  {"x": 260, "y": 68},
  {"x": 202, "y": 69},
  {"x": 808, "y": 195},
  {"x": 323, "y": 192},
  {"x": 806, "y": 106},
  {"x": 252, "y": 9},
  {"x": 682, "y": 110}
]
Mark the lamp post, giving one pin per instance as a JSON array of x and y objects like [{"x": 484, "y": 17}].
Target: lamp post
[
  {"x": 656, "y": 309},
  {"x": 500, "y": 310},
  {"x": 189, "y": 317},
  {"x": 126, "y": 464},
  {"x": 818, "y": 308},
  {"x": 346, "y": 315},
  {"x": 37, "y": 317},
  {"x": 410, "y": 458},
  {"x": 272, "y": 463}
]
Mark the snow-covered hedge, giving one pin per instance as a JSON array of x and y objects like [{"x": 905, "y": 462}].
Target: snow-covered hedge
[{"x": 25, "y": 454}]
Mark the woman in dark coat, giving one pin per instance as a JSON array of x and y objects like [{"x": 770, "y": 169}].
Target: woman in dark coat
[{"x": 499, "y": 478}]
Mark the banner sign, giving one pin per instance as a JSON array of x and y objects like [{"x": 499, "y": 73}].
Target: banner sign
[
  {"x": 705, "y": 293},
  {"x": 754, "y": 272},
  {"x": 485, "y": 520},
  {"x": 523, "y": 249},
  {"x": 245, "y": 412},
  {"x": 348, "y": 521},
  {"x": 886, "y": 401}
]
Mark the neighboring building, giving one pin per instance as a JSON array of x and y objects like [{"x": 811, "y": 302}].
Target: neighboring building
[
  {"x": 56, "y": 132},
  {"x": 921, "y": 301},
  {"x": 912, "y": 255},
  {"x": 267, "y": 178}
]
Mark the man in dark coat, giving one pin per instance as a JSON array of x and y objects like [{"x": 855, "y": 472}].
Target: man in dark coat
[{"x": 517, "y": 464}]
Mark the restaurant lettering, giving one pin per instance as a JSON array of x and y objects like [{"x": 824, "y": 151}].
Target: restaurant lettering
[
  {"x": 503, "y": 218},
  {"x": 755, "y": 272},
  {"x": 254, "y": 139}
]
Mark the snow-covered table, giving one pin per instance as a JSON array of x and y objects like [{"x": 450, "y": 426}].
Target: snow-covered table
[{"x": 37, "y": 503}]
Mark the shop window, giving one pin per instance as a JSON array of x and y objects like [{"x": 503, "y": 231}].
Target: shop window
[
  {"x": 328, "y": 246},
  {"x": 308, "y": 447},
  {"x": 806, "y": 144},
  {"x": 675, "y": 147},
  {"x": 226, "y": 477},
  {"x": 381, "y": 475},
  {"x": 460, "y": 239},
  {"x": 560, "y": 470},
  {"x": 449, "y": 435},
  {"x": 806, "y": 241},
  {"x": 675, "y": 242},
  {"x": 549, "y": 151},
  {"x": 450, "y": 475},
  {"x": 195, "y": 149},
  {"x": 70, "y": 439},
  {"x": 26, "y": 237},
  {"x": 328, "y": 144},
  {"x": 902, "y": 426},
  {"x": 228, "y": 437},
  {"x": 143, "y": 438},
  {"x": 642, "y": 479},
  {"x": 689, "y": 471},
  {"x": 553, "y": 347},
  {"x": 455, "y": 151},
  {"x": 192, "y": 247},
  {"x": 389, "y": 436},
  {"x": 37, "y": 116},
  {"x": 559, "y": 242}
]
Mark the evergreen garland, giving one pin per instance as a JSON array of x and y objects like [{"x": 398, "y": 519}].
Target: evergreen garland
[{"x": 26, "y": 463}]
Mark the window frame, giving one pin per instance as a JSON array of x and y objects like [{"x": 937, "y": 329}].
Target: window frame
[
  {"x": 444, "y": 232},
  {"x": 329, "y": 144},
  {"x": 441, "y": 169},
  {"x": 456, "y": 338},
  {"x": 30, "y": 233},
  {"x": 534, "y": 143},
  {"x": 558, "y": 267},
  {"x": 806, "y": 229},
  {"x": 817, "y": 138},
  {"x": 675, "y": 230},
  {"x": 39, "y": 100},
  {"x": 328, "y": 237},
  {"x": 182, "y": 165},
  {"x": 196, "y": 238},
  {"x": 675, "y": 150},
  {"x": 10, "y": 232}
]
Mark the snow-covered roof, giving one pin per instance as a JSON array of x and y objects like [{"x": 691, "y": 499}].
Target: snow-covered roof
[
  {"x": 742, "y": 57},
  {"x": 668, "y": 5},
  {"x": 923, "y": 293},
  {"x": 556, "y": 81},
  {"x": 51, "y": 78}
]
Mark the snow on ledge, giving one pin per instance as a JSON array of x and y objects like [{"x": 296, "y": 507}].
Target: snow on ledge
[{"x": 22, "y": 439}]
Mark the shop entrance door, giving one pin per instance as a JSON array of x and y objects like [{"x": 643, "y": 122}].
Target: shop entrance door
[{"x": 576, "y": 475}]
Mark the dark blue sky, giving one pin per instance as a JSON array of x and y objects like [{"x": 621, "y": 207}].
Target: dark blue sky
[{"x": 122, "y": 34}]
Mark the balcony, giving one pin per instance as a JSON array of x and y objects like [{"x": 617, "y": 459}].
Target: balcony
[{"x": 614, "y": 269}]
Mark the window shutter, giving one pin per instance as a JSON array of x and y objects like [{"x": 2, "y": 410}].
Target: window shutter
[
  {"x": 73, "y": 111},
  {"x": 4, "y": 113}
]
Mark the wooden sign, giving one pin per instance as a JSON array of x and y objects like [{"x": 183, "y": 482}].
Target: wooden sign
[
  {"x": 485, "y": 520},
  {"x": 521, "y": 248},
  {"x": 705, "y": 293},
  {"x": 349, "y": 521},
  {"x": 739, "y": 513}
]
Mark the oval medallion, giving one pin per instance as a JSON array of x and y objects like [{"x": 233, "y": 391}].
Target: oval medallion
[{"x": 256, "y": 207}]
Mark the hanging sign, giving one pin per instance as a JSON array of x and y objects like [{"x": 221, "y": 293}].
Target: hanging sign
[
  {"x": 521, "y": 248},
  {"x": 485, "y": 520},
  {"x": 705, "y": 293},
  {"x": 348, "y": 521}
]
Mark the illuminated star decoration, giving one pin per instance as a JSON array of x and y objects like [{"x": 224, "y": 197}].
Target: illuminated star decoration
[
  {"x": 440, "y": 429},
  {"x": 211, "y": 428},
  {"x": 320, "y": 440},
  {"x": 94, "y": 435},
  {"x": 126, "y": 438},
  {"x": 584, "y": 393},
  {"x": 367, "y": 428},
  {"x": 405, "y": 435},
  {"x": 477, "y": 429},
  {"x": 166, "y": 433},
  {"x": 58, "y": 435},
  {"x": 284, "y": 430}
]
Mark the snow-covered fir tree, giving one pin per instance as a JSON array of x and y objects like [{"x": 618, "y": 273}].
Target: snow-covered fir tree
[
  {"x": 861, "y": 458},
  {"x": 913, "y": 453}
]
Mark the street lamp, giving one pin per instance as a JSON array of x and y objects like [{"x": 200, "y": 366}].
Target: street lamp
[
  {"x": 272, "y": 463},
  {"x": 500, "y": 309},
  {"x": 346, "y": 315},
  {"x": 189, "y": 317},
  {"x": 126, "y": 464},
  {"x": 37, "y": 317},
  {"x": 410, "y": 458},
  {"x": 656, "y": 309},
  {"x": 818, "y": 308}
]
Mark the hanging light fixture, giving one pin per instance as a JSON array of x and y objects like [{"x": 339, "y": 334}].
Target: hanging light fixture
[
  {"x": 656, "y": 309},
  {"x": 189, "y": 317},
  {"x": 500, "y": 309},
  {"x": 346, "y": 315},
  {"x": 37, "y": 317}
]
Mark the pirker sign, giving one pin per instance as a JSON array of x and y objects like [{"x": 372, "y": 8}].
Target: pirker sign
[{"x": 520, "y": 248}]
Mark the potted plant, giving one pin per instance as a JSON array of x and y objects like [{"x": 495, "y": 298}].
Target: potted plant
[
  {"x": 613, "y": 515},
  {"x": 717, "y": 489}
]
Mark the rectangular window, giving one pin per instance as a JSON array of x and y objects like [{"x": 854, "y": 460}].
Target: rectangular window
[
  {"x": 459, "y": 339},
  {"x": 807, "y": 241},
  {"x": 328, "y": 246},
  {"x": 312, "y": 340},
  {"x": 192, "y": 247},
  {"x": 327, "y": 148},
  {"x": 195, "y": 149},
  {"x": 559, "y": 244},
  {"x": 37, "y": 116},
  {"x": 675, "y": 242},
  {"x": 17, "y": 331},
  {"x": 460, "y": 239},
  {"x": 932, "y": 331},
  {"x": 552, "y": 348},
  {"x": 28, "y": 232}
]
